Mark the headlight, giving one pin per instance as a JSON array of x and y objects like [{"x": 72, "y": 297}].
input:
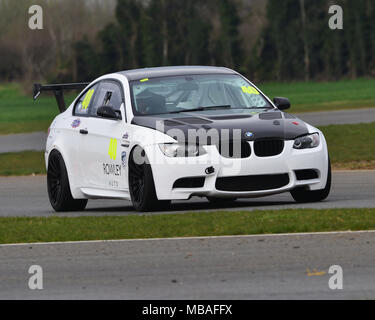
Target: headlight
[
  {"x": 308, "y": 141},
  {"x": 181, "y": 150}
]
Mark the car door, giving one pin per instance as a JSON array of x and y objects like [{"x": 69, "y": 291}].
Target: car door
[
  {"x": 102, "y": 167},
  {"x": 75, "y": 135}
]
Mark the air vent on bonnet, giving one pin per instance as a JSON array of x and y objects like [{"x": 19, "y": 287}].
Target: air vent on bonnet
[
  {"x": 270, "y": 116},
  {"x": 231, "y": 117},
  {"x": 289, "y": 116},
  {"x": 193, "y": 120},
  {"x": 171, "y": 123}
]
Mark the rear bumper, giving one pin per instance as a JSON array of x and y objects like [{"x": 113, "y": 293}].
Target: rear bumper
[{"x": 273, "y": 175}]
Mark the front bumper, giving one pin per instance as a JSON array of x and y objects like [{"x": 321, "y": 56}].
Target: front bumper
[{"x": 166, "y": 171}]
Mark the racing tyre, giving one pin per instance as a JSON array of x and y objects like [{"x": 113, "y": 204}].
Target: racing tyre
[
  {"x": 303, "y": 195},
  {"x": 58, "y": 187},
  {"x": 223, "y": 201},
  {"x": 142, "y": 187}
]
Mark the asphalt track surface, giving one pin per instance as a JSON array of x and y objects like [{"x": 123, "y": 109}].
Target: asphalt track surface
[
  {"x": 243, "y": 267},
  {"x": 27, "y": 196},
  {"x": 36, "y": 141},
  {"x": 338, "y": 117}
]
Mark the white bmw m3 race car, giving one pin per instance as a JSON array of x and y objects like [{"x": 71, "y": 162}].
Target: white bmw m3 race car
[{"x": 160, "y": 134}]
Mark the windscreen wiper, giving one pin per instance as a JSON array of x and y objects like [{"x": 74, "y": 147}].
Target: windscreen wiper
[
  {"x": 202, "y": 108},
  {"x": 252, "y": 107}
]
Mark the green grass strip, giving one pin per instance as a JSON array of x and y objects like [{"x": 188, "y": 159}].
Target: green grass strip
[
  {"x": 34, "y": 229},
  {"x": 20, "y": 113},
  {"x": 324, "y": 96},
  {"x": 350, "y": 142},
  {"x": 23, "y": 127},
  {"x": 22, "y": 163}
]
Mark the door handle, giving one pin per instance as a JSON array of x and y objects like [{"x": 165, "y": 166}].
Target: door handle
[{"x": 83, "y": 131}]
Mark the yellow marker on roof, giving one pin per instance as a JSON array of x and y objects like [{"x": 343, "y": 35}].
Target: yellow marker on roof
[{"x": 144, "y": 80}]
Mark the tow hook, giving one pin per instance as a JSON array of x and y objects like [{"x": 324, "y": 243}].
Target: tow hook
[{"x": 210, "y": 170}]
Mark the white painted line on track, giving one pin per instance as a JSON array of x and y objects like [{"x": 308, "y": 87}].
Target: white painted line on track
[{"x": 192, "y": 238}]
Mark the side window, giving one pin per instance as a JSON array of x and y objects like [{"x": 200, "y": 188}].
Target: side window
[
  {"x": 84, "y": 103},
  {"x": 109, "y": 94}
]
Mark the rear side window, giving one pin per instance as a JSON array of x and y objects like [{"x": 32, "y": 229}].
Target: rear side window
[
  {"x": 84, "y": 103},
  {"x": 108, "y": 94}
]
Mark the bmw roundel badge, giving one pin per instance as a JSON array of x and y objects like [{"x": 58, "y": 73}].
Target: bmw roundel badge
[{"x": 249, "y": 134}]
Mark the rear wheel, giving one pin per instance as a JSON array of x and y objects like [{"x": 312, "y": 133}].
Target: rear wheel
[
  {"x": 58, "y": 187},
  {"x": 142, "y": 187},
  {"x": 303, "y": 195}
]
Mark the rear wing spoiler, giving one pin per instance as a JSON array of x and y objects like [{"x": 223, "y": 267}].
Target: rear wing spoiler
[{"x": 58, "y": 91}]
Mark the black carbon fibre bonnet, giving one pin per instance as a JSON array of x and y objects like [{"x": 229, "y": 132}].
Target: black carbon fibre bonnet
[{"x": 271, "y": 124}]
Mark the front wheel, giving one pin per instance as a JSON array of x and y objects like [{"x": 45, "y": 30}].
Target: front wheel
[
  {"x": 58, "y": 187},
  {"x": 303, "y": 195},
  {"x": 142, "y": 187}
]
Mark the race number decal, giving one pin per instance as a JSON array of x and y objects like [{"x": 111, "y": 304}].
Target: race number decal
[
  {"x": 250, "y": 90},
  {"x": 254, "y": 96},
  {"x": 112, "y": 151}
]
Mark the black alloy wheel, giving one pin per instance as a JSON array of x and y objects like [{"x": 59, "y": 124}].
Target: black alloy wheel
[
  {"x": 58, "y": 187},
  {"x": 141, "y": 185}
]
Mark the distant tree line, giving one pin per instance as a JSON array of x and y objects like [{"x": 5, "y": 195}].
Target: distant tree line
[
  {"x": 294, "y": 44},
  {"x": 264, "y": 39},
  {"x": 297, "y": 44},
  {"x": 47, "y": 55},
  {"x": 164, "y": 32}
]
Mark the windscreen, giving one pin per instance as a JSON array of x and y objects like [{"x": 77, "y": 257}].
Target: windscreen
[{"x": 179, "y": 93}]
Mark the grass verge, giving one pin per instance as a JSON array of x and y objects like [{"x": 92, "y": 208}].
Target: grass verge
[
  {"x": 324, "y": 96},
  {"x": 23, "y": 127},
  {"x": 19, "y": 113},
  {"x": 18, "y": 230},
  {"x": 22, "y": 163},
  {"x": 351, "y": 146}
]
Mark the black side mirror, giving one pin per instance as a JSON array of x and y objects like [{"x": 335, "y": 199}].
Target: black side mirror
[
  {"x": 108, "y": 112},
  {"x": 281, "y": 103}
]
